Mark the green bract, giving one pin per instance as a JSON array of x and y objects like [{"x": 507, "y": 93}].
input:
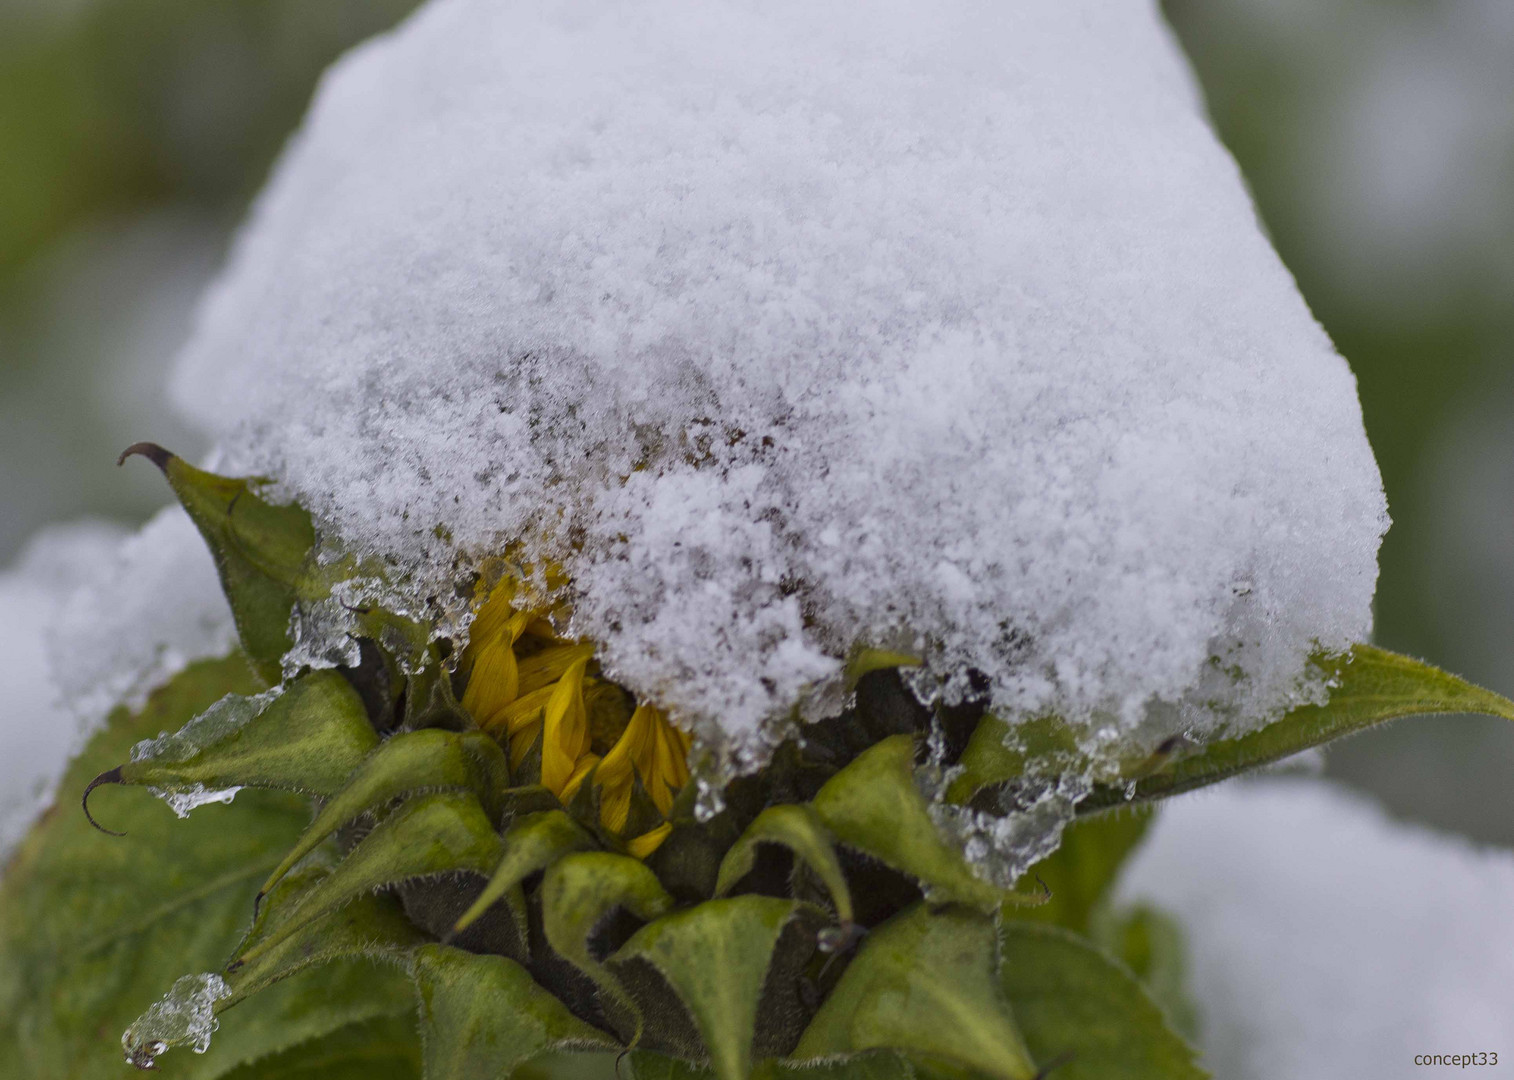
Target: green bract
[{"x": 399, "y": 901}]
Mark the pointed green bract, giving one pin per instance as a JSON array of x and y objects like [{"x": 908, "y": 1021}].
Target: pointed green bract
[
  {"x": 430, "y": 834},
  {"x": 1369, "y": 686},
  {"x": 870, "y": 1065},
  {"x": 874, "y": 806},
  {"x": 308, "y": 738},
  {"x": 797, "y": 827},
  {"x": 426, "y": 760},
  {"x": 482, "y": 1016},
  {"x": 1080, "y": 873},
  {"x": 1077, "y": 1007},
  {"x": 94, "y": 928},
  {"x": 371, "y": 926},
  {"x": 532, "y": 843},
  {"x": 715, "y": 957},
  {"x": 580, "y": 890},
  {"x": 926, "y": 984},
  {"x": 261, "y": 551}
]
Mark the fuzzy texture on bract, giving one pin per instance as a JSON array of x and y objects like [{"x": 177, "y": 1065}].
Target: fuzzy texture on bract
[
  {"x": 782, "y": 326},
  {"x": 1327, "y": 940}
]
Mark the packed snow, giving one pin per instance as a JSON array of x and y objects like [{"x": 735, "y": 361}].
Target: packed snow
[
  {"x": 785, "y": 327},
  {"x": 1328, "y": 941}
]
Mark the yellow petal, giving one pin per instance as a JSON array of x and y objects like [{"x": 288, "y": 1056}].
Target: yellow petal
[
  {"x": 551, "y": 664},
  {"x": 523, "y": 711},
  {"x": 493, "y": 682},
  {"x": 669, "y": 770},
  {"x": 580, "y": 773},
  {"x": 642, "y": 846},
  {"x": 496, "y": 612},
  {"x": 565, "y": 734},
  {"x": 617, "y": 772},
  {"x": 521, "y": 741}
]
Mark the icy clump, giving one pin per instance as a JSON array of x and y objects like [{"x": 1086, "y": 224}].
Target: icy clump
[
  {"x": 786, "y": 326},
  {"x": 1326, "y": 940},
  {"x": 37, "y": 734},
  {"x": 185, "y": 1016},
  {"x": 215, "y": 724},
  {"x": 182, "y": 803},
  {"x": 144, "y": 608}
]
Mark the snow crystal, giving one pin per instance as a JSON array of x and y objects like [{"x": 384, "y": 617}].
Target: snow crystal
[
  {"x": 144, "y": 609},
  {"x": 785, "y": 327},
  {"x": 1326, "y": 940}
]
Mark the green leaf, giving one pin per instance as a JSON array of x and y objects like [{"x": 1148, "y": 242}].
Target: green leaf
[
  {"x": 1085, "y": 1013},
  {"x": 481, "y": 1016},
  {"x": 1369, "y": 686},
  {"x": 383, "y": 1049},
  {"x": 715, "y": 957},
  {"x": 93, "y": 929},
  {"x": 1080, "y": 872},
  {"x": 925, "y": 984},
  {"x": 1150, "y": 943},
  {"x": 426, "y": 760},
  {"x": 307, "y": 738},
  {"x": 533, "y": 842},
  {"x": 580, "y": 890},
  {"x": 429, "y": 834},
  {"x": 260, "y": 551},
  {"x": 797, "y": 827},
  {"x": 998, "y": 754},
  {"x": 874, "y": 806}
]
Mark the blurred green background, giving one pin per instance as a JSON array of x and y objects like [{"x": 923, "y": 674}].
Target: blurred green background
[{"x": 1377, "y": 135}]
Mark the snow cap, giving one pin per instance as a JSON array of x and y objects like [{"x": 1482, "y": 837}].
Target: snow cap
[{"x": 786, "y": 326}]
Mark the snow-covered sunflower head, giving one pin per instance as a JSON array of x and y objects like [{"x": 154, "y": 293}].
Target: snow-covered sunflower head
[{"x": 713, "y": 491}]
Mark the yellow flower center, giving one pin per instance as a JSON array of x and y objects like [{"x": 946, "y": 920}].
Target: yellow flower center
[{"x": 529, "y": 688}]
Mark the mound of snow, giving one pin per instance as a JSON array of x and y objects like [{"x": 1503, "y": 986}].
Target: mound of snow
[{"x": 785, "y": 326}]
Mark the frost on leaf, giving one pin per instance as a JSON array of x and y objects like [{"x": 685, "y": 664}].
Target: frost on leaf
[{"x": 214, "y": 725}]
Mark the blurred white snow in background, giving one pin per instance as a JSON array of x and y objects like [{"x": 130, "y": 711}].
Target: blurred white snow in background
[
  {"x": 1327, "y": 941},
  {"x": 38, "y": 732}
]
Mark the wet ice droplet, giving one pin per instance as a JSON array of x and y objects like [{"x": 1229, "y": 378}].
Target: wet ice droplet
[
  {"x": 182, "y": 802},
  {"x": 185, "y": 1016}
]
